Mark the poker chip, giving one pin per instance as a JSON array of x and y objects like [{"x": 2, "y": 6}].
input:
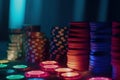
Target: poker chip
[
  {"x": 100, "y": 60},
  {"x": 12, "y": 55},
  {"x": 100, "y": 48},
  {"x": 58, "y": 44},
  {"x": 43, "y": 63},
  {"x": 63, "y": 70},
  {"x": 15, "y": 36},
  {"x": 99, "y": 78},
  {"x": 36, "y": 79},
  {"x": 35, "y": 47},
  {"x": 71, "y": 76},
  {"x": 3, "y": 65},
  {"x": 36, "y": 74},
  {"x": 10, "y": 71},
  {"x": 115, "y": 49},
  {"x": 3, "y": 61},
  {"x": 50, "y": 68},
  {"x": 20, "y": 66},
  {"x": 78, "y": 46},
  {"x": 15, "y": 77}
]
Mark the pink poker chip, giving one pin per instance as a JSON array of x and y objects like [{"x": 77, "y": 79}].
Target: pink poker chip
[
  {"x": 48, "y": 63},
  {"x": 36, "y": 74},
  {"x": 99, "y": 78},
  {"x": 50, "y": 68}
]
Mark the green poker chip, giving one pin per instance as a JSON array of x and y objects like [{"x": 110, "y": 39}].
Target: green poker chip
[
  {"x": 20, "y": 66},
  {"x": 15, "y": 77},
  {"x": 3, "y": 65}
]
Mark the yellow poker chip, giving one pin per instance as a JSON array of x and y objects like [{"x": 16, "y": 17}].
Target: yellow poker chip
[{"x": 4, "y": 61}]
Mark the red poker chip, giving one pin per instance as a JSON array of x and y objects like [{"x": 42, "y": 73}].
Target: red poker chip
[
  {"x": 78, "y": 45},
  {"x": 79, "y": 67},
  {"x": 115, "y": 39},
  {"x": 115, "y": 24},
  {"x": 81, "y": 24},
  {"x": 114, "y": 31},
  {"x": 79, "y": 34},
  {"x": 77, "y": 39},
  {"x": 83, "y": 31},
  {"x": 76, "y": 62},
  {"x": 78, "y": 52}
]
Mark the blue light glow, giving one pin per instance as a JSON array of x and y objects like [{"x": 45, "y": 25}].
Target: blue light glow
[
  {"x": 16, "y": 16},
  {"x": 0, "y": 10},
  {"x": 79, "y": 10},
  {"x": 102, "y": 14}
]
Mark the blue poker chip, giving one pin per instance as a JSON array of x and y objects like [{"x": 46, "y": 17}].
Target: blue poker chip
[{"x": 35, "y": 79}]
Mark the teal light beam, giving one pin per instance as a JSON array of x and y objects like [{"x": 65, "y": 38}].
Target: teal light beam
[
  {"x": 36, "y": 12},
  {"x": 102, "y": 14},
  {"x": 16, "y": 15},
  {"x": 1, "y": 10},
  {"x": 79, "y": 10}
]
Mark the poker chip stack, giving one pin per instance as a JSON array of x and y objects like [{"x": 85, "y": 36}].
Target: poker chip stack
[
  {"x": 15, "y": 44},
  {"x": 35, "y": 44},
  {"x": 78, "y": 46},
  {"x": 100, "y": 48},
  {"x": 115, "y": 52},
  {"x": 58, "y": 44}
]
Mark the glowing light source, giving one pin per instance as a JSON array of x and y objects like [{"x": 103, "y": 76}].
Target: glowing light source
[
  {"x": 100, "y": 78},
  {"x": 17, "y": 11},
  {"x": 15, "y": 77},
  {"x": 71, "y": 76},
  {"x": 36, "y": 79},
  {"x": 102, "y": 16},
  {"x": 36, "y": 9},
  {"x": 61, "y": 70},
  {"x": 79, "y": 10}
]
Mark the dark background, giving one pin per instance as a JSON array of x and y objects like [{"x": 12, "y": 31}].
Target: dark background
[{"x": 57, "y": 13}]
